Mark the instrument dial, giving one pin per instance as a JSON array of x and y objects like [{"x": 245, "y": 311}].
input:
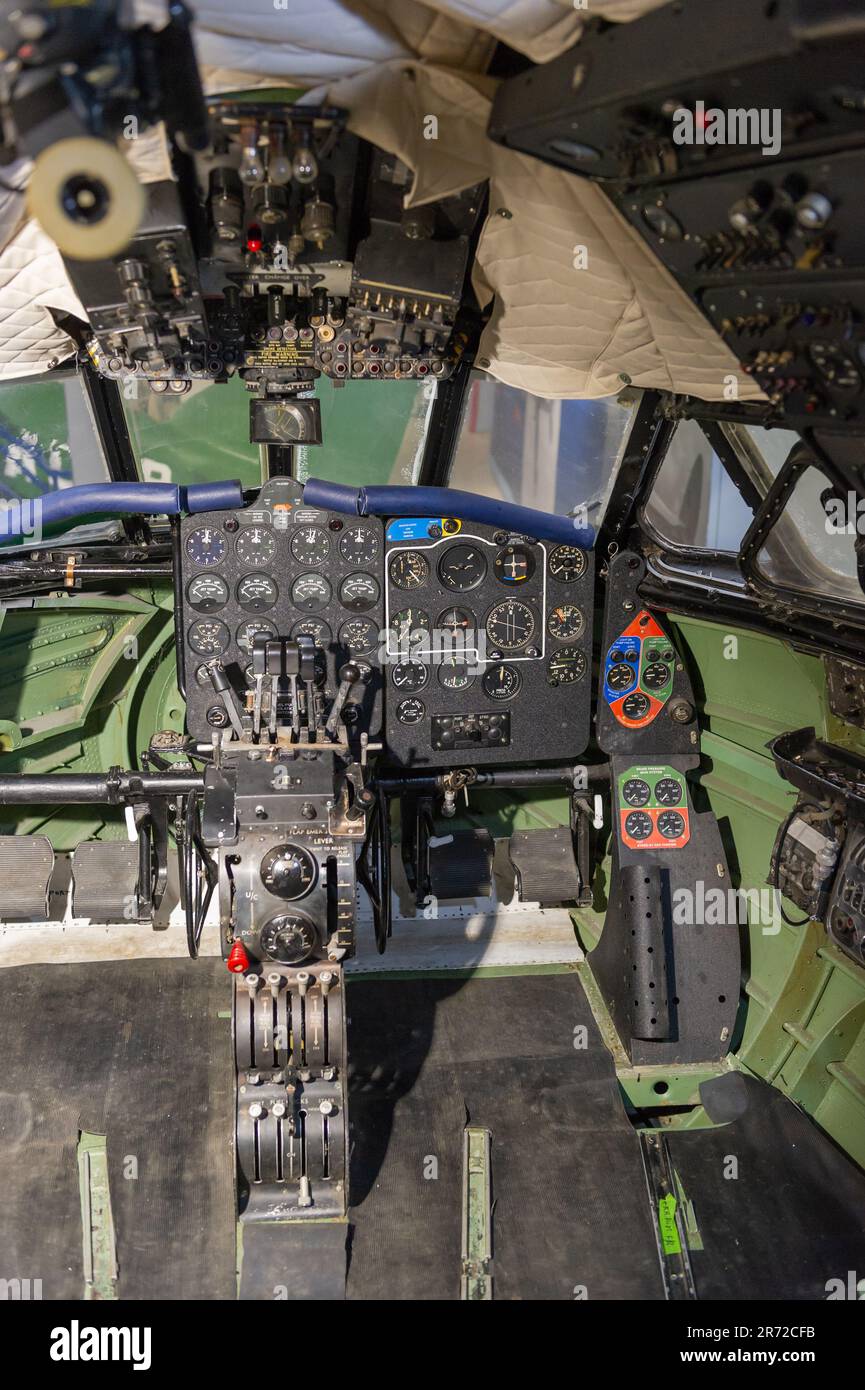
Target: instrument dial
[
  {"x": 636, "y": 792},
  {"x": 502, "y": 682},
  {"x": 207, "y": 593},
  {"x": 209, "y": 638},
  {"x": 655, "y": 676},
  {"x": 567, "y": 563},
  {"x": 315, "y": 628},
  {"x": 359, "y": 545},
  {"x": 566, "y": 666},
  {"x": 671, "y": 825},
  {"x": 462, "y": 567},
  {"x": 311, "y": 592},
  {"x": 310, "y": 545},
  {"x": 288, "y": 871},
  {"x": 668, "y": 791},
  {"x": 255, "y": 546},
  {"x": 409, "y": 675},
  {"x": 454, "y": 675},
  {"x": 621, "y": 677},
  {"x": 635, "y": 706},
  {"x": 638, "y": 825},
  {"x": 205, "y": 546},
  {"x": 514, "y": 564},
  {"x": 510, "y": 625},
  {"x": 408, "y": 569},
  {"x": 358, "y": 636},
  {"x": 256, "y": 593},
  {"x": 247, "y": 633},
  {"x": 565, "y": 622},
  {"x": 289, "y": 938},
  {"x": 410, "y": 711},
  {"x": 359, "y": 592},
  {"x": 410, "y": 627}
]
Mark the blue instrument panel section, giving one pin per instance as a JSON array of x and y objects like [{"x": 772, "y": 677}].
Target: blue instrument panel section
[
  {"x": 622, "y": 654},
  {"x": 418, "y": 528}
]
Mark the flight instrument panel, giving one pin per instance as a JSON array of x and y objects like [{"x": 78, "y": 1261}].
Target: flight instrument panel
[{"x": 466, "y": 643}]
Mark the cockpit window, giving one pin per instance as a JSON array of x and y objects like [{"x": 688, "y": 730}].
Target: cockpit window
[
  {"x": 48, "y": 442},
  {"x": 694, "y": 503},
  {"x": 372, "y": 433},
  {"x": 554, "y": 455}
]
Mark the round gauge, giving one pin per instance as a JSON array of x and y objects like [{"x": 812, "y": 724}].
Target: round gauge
[
  {"x": 455, "y": 675},
  {"x": 202, "y": 676},
  {"x": 462, "y": 567},
  {"x": 410, "y": 627},
  {"x": 205, "y": 546},
  {"x": 410, "y": 711},
  {"x": 671, "y": 825},
  {"x": 636, "y": 792},
  {"x": 359, "y": 592},
  {"x": 408, "y": 569},
  {"x": 256, "y": 593},
  {"x": 310, "y": 545},
  {"x": 668, "y": 791},
  {"x": 501, "y": 682},
  {"x": 315, "y": 628},
  {"x": 510, "y": 625},
  {"x": 514, "y": 564},
  {"x": 207, "y": 593},
  {"x": 409, "y": 675},
  {"x": 359, "y": 545},
  {"x": 635, "y": 706},
  {"x": 247, "y": 633},
  {"x": 566, "y": 666},
  {"x": 288, "y": 871},
  {"x": 567, "y": 563},
  {"x": 311, "y": 592},
  {"x": 655, "y": 676},
  {"x": 457, "y": 620},
  {"x": 358, "y": 636},
  {"x": 565, "y": 622},
  {"x": 255, "y": 546},
  {"x": 662, "y": 222},
  {"x": 621, "y": 677},
  {"x": 289, "y": 938},
  {"x": 209, "y": 638},
  {"x": 638, "y": 825}
]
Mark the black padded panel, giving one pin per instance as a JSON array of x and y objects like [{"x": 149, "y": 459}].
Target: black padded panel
[
  {"x": 793, "y": 1219},
  {"x": 134, "y": 1050},
  {"x": 571, "y": 1206}
]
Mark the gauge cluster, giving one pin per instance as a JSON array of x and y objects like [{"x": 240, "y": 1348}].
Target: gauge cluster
[
  {"x": 487, "y": 653},
  {"x": 282, "y": 569},
  {"x": 653, "y": 808}
]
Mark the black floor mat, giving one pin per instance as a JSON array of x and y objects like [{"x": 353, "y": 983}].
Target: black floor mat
[
  {"x": 134, "y": 1050},
  {"x": 571, "y": 1208},
  {"x": 791, "y": 1220}
]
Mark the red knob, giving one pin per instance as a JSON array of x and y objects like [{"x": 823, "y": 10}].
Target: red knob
[{"x": 238, "y": 960}]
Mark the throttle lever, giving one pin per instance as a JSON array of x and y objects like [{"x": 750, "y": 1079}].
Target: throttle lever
[
  {"x": 222, "y": 685},
  {"x": 349, "y": 674}
]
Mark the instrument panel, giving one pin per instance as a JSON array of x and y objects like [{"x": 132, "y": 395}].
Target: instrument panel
[
  {"x": 653, "y": 807},
  {"x": 487, "y": 648},
  {"x": 282, "y": 569}
]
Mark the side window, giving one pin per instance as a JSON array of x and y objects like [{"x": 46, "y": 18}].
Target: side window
[{"x": 694, "y": 503}]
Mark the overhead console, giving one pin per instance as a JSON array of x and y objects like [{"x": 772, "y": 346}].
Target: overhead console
[
  {"x": 489, "y": 644},
  {"x": 741, "y": 169}
]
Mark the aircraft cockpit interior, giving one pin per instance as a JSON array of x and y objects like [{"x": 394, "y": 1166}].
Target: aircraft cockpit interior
[{"x": 432, "y": 653}]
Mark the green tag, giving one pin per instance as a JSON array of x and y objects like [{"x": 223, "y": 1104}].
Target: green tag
[{"x": 667, "y": 1222}]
